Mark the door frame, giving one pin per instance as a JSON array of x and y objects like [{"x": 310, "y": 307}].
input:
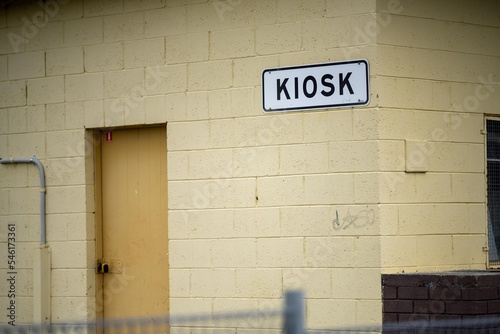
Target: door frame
[{"x": 99, "y": 282}]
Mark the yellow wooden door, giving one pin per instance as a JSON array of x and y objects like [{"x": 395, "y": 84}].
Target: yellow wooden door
[{"x": 134, "y": 224}]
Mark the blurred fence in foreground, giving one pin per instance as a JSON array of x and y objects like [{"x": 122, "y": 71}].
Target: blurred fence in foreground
[
  {"x": 290, "y": 319},
  {"x": 287, "y": 319}
]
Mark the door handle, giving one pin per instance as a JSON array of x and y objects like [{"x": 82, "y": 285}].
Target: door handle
[
  {"x": 109, "y": 266},
  {"x": 102, "y": 266}
]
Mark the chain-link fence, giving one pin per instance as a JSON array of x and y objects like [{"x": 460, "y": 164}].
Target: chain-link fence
[
  {"x": 287, "y": 319},
  {"x": 290, "y": 319}
]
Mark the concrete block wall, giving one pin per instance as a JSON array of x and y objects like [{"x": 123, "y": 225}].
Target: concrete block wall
[
  {"x": 42, "y": 114},
  {"x": 258, "y": 203},
  {"x": 437, "y": 80}
]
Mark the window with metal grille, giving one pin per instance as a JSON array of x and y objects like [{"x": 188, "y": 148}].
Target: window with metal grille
[{"x": 493, "y": 183}]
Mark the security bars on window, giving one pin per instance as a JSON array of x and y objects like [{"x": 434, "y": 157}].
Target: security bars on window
[{"x": 493, "y": 183}]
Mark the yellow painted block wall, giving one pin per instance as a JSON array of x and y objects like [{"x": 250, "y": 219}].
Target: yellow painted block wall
[
  {"x": 438, "y": 76},
  {"x": 258, "y": 203},
  {"x": 261, "y": 203}
]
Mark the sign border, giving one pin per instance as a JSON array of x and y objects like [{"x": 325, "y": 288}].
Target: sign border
[{"x": 326, "y": 106}]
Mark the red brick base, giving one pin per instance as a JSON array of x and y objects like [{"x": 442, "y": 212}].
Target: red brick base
[{"x": 454, "y": 297}]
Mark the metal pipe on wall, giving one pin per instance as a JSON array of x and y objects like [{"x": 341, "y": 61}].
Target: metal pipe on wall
[
  {"x": 42, "y": 260},
  {"x": 37, "y": 163}
]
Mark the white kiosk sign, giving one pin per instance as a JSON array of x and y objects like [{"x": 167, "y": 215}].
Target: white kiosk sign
[{"x": 316, "y": 86}]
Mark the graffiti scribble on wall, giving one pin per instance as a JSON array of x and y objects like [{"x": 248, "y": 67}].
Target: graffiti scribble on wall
[{"x": 360, "y": 219}]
